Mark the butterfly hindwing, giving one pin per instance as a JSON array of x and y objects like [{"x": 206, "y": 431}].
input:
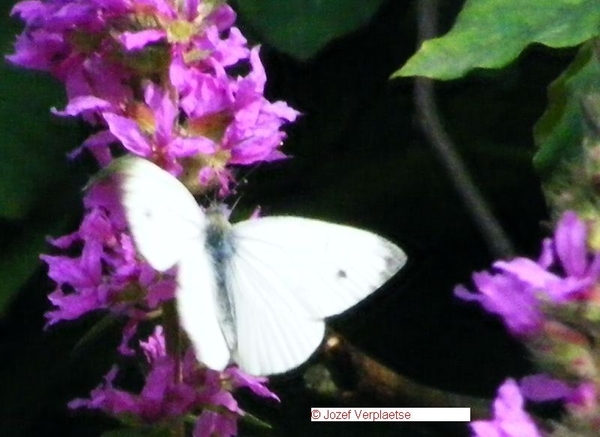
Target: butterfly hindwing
[
  {"x": 198, "y": 308},
  {"x": 273, "y": 335}
]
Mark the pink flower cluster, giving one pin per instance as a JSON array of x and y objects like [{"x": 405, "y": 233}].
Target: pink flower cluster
[
  {"x": 166, "y": 398},
  {"x": 174, "y": 82},
  {"x": 107, "y": 274},
  {"x": 153, "y": 76}
]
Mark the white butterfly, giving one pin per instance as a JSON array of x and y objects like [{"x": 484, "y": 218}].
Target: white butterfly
[{"x": 256, "y": 292}]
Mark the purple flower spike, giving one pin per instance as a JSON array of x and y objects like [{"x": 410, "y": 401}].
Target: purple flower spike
[
  {"x": 570, "y": 244},
  {"x": 515, "y": 290},
  {"x": 181, "y": 53},
  {"x": 158, "y": 79},
  {"x": 169, "y": 395}
]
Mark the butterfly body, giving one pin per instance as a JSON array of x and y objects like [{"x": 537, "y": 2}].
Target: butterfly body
[
  {"x": 220, "y": 246},
  {"x": 255, "y": 292}
]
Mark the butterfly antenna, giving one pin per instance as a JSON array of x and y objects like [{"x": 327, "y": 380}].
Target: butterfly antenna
[
  {"x": 244, "y": 179},
  {"x": 236, "y": 203}
]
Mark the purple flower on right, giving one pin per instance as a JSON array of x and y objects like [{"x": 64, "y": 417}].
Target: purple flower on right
[
  {"x": 517, "y": 289},
  {"x": 552, "y": 305}
]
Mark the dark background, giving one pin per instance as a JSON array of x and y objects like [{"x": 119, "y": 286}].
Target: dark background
[{"x": 359, "y": 158}]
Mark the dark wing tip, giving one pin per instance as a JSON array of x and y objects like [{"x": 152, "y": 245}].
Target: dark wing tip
[{"x": 394, "y": 259}]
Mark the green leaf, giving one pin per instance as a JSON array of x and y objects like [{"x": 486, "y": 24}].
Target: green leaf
[
  {"x": 560, "y": 131},
  {"x": 255, "y": 421},
  {"x": 97, "y": 331},
  {"x": 38, "y": 185},
  {"x": 22, "y": 257},
  {"x": 33, "y": 142},
  {"x": 492, "y": 33},
  {"x": 302, "y": 27}
]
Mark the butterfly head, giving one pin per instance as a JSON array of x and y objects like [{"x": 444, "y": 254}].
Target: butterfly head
[{"x": 218, "y": 215}]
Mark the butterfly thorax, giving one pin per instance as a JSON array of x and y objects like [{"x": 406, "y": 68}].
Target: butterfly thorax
[
  {"x": 219, "y": 244},
  {"x": 218, "y": 235}
]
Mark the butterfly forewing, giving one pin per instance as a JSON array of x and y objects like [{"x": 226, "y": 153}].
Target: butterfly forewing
[
  {"x": 169, "y": 228},
  {"x": 163, "y": 216},
  {"x": 289, "y": 274},
  {"x": 324, "y": 267}
]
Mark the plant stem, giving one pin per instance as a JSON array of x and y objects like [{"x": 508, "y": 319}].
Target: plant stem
[
  {"x": 173, "y": 344},
  {"x": 496, "y": 239},
  {"x": 350, "y": 377}
]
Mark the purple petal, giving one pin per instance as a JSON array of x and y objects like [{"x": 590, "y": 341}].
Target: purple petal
[
  {"x": 284, "y": 111},
  {"x": 583, "y": 400},
  {"x": 37, "y": 50},
  {"x": 527, "y": 271},
  {"x": 164, "y": 7},
  {"x": 225, "y": 399},
  {"x": 78, "y": 105},
  {"x": 98, "y": 145},
  {"x": 161, "y": 104},
  {"x": 182, "y": 147},
  {"x": 543, "y": 388},
  {"x": 570, "y": 242},
  {"x": 128, "y": 132},
  {"x": 482, "y": 428},
  {"x": 211, "y": 424},
  {"x": 28, "y": 10},
  {"x": 568, "y": 288},
  {"x": 64, "y": 270},
  {"x": 158, "y": 379},
  {"x": 160, "y": 292},
  {"x": 138, "y": 40},
  {"x": 594, "y": 267},
  {"x": 129, "y": 330},
  {"x": 65, "y": 241},
  {"x": 506, "y": 296},
  {"x": 463, "y": 293},
  {"x": 254, "y": 383},
  {"x": 179, "y": 73},
  {"x": 226, "y": 52},
  {"x": 155, "y": 347},
  {"x": 510, "y": 420},
  {"x": 72, "y": 306},
  {"x": 547, "y": 256},
  {"x": 223, "y": 17}
]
